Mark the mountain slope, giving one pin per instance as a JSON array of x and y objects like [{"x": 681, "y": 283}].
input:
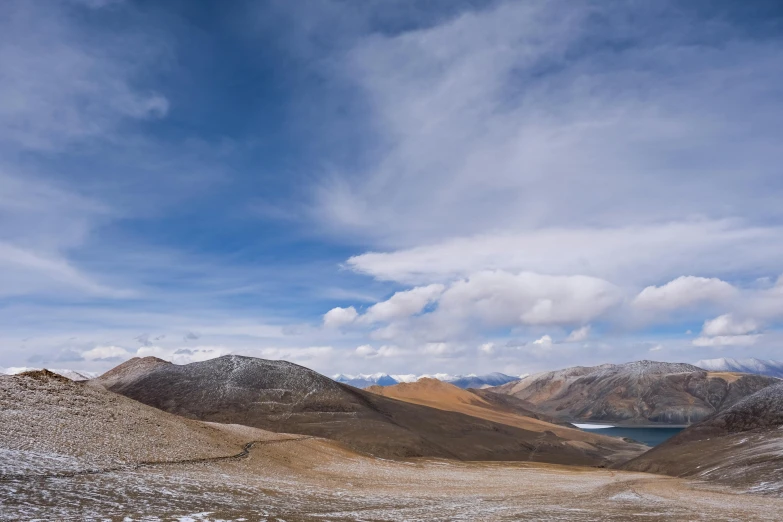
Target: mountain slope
[
  {"x": 65, "y": 423},
  {"x": 643, "y": 392},
  {"x": 282, "y": 396},
  {"x": 741, "y": 446},
  {"x": 755, "y": 366},
  {"x": 479, "y": 403}
]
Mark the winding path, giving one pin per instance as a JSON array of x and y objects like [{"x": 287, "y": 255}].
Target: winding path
[{"x": 152, "y": 463}]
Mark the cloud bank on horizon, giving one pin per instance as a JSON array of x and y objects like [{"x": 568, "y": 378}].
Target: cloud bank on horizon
[{"x": 458, "y": 187}]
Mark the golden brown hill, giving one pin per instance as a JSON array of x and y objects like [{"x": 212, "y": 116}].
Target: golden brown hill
[{"x": 444, "y": 396}]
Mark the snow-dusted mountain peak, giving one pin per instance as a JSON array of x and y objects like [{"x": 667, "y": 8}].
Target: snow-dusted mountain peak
[{"x": 750, "y": 365}]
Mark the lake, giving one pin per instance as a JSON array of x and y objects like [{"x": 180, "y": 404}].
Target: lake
[{"x": 649, "y": 436}]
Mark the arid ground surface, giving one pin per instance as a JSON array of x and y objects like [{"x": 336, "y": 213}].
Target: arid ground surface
[
  {"x": 314, "y": 479},
  {"x": 74, "y": 452}
]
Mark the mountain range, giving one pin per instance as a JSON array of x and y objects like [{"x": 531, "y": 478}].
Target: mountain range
[
  {"x": 283, "y": 397},
  {"x": 756, "y": 366},
  {"x": 637, "y": 393},
  {"x": 77, "y": 451},
  {"x": 461, "y": 381}
]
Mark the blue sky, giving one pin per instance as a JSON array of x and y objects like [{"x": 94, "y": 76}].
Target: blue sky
[{"x": 397, "y": 186}]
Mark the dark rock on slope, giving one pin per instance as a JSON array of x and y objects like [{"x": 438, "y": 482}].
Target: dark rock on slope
[
  {"x": 741, "y": 446},
  {"x": 284, "y": 397},
  {"x": 643, "y": 392}
]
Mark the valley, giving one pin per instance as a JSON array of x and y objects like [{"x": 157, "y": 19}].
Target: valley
[{"x": 77, "y": 450}]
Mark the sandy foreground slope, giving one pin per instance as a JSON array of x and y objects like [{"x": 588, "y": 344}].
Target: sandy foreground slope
[{"x": 63, "y": 458}]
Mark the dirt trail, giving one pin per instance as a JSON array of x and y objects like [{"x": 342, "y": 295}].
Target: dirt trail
[{"x": 149, "y": 464}]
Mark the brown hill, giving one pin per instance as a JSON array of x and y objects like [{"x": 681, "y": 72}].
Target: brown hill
[
  {"x": 284, "y": 397},
  {"x": 490, "y": 406},
  {"x": 643, "y": 392},
  {"x": 69, "y": 424},
  {"x": 741, "y": 446}
]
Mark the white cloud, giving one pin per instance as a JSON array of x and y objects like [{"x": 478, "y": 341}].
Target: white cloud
[
  {"x": 365, "y": 350},
  {"x": 543, "y": 341},
  {"x": 368, "y": 351},
  {"x": 487, "y": 348},
  {"x": 441, "y": 349},
  {"x": 501, "y": 299},
  {"x": 403, "y": 304},
  {"x": 506, "y": 108},
  {"x": 657, "y": 348},
  {"x": 683, "y": 292},
  {"x": 727, "y": 324},
  {"x": 579, "y": 334},
  {"x": 105, "y": 352},
  {"x": 494, "y": 128},
  {"x": 338, "y": 317},
  {"x": 728, "y": 340},
  {"x": 64, "y": 89},
  {"x": 619, "y": 253},
  {"x": 727, "y": 330}
]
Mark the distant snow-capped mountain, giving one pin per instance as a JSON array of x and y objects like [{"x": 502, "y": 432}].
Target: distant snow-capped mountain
[
  {"x": 752, "y": 365},
  {"x": 364, "y": 380},
  {"x": 70, "y": 374}
]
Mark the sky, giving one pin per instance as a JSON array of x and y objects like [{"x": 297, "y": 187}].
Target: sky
[{"x": 401, "y": 186}]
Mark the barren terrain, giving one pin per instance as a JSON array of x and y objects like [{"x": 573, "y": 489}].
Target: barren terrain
[
  {"x": 318, "y": 480},
  {"x": 63, "y": 458},
  {"x": 284, "y": 397},
  {"x": 445, "y": 396}
]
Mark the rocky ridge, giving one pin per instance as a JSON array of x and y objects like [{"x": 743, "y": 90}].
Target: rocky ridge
[{"x": 637, "y": 393}]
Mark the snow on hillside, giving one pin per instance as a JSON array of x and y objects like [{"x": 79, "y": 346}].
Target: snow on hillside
[
  {"x": 74, "y": 375},
  {"x": 752, "y": 365},
  {"x": 364, "y": 380}
]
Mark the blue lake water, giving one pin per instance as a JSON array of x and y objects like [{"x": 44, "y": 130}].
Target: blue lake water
[{"x": 649, "y": 436}]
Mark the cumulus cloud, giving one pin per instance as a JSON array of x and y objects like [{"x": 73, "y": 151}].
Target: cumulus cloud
[
  {"x": 728, "y": 330},
  {"x": 728, "y": 324},
  {"x": 104, "y": 353},
  {"x": 365, "y": 350},
  {"x": 338, "y": 317},
  {"x": 578, "y": 335},
  {"x": 683, "y": 292},
  {"x": 499, "y": 298},
  {"x": 544, "y": 341},
  {"x": 403, "y": 304}
]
